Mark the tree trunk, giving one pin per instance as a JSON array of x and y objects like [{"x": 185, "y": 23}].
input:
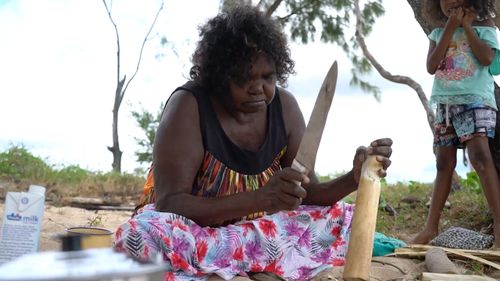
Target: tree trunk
[
  {"x": 122, "y": 85},
  {"x": 115, "y": 149},
  {"x": 417, "y": 7}
]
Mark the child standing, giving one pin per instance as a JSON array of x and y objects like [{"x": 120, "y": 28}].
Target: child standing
[{"x": 463, "y": 90}]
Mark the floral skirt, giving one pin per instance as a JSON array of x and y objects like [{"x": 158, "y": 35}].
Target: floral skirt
[{"x": 295, "y": 245}]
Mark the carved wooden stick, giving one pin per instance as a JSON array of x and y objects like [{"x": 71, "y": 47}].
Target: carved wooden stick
[{"x": 359, "y": 252}]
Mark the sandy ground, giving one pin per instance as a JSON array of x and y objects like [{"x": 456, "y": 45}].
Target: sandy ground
[{"x": 57, "y": 219}]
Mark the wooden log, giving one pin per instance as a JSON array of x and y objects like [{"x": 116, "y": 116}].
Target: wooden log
[
  {"x": 359, "y": 251},
  {"x": 92, "y": 203},
  {"x": 428, "y": 276}
]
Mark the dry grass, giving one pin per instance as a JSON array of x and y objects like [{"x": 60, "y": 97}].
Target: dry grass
[{"x": 468, "y": 209}]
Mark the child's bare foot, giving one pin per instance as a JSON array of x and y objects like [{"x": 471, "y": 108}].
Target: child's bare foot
[{"x": 424, "y": 237}]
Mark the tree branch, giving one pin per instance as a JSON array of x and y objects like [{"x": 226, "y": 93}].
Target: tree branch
[
  {"x": 146, "y": 38},
  {"x": 386, "y": 74},
  {"x": 261, "y": 2},
  {"x": 108, "y": 10},
  {"x": 273, "y": 8},
  {"x": 296, "y": 11},
  {"x": 285, "y": 18}
]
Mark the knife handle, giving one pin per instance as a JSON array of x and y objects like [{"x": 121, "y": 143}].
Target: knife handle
[{"x": 299, "y": 168}]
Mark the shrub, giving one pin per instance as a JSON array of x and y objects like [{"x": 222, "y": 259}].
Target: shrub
[{"x": 18, "y": 163}]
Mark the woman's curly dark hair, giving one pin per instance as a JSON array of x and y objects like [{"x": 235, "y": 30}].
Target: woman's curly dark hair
[
  {"x": 484, "y": 9},
  {"x": 229, "y": 44}
]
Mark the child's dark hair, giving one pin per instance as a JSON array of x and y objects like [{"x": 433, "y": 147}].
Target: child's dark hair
[
  {"x": 484, "y": 8},
  {"x": 229, "y": 44}
]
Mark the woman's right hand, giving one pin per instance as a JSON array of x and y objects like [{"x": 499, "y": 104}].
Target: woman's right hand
[{"x": 282, "y": 192}]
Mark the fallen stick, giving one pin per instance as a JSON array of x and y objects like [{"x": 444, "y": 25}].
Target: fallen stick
[
  {"x": 426, "y": 247},
  {"x": 472, "y": 257},
  {"x": 428, "y": 276},
  {"x": 359, "y": 251},
  {"x": 420, "y": 250}
]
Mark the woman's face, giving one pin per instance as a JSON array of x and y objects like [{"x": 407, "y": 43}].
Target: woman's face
[{"x": 256, "y": 93}]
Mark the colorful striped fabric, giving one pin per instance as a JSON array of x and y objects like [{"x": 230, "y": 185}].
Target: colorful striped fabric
[{"x": 215, "y": 179}]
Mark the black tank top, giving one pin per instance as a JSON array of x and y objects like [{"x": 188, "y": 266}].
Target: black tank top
[{"x": 217, "y": 143}]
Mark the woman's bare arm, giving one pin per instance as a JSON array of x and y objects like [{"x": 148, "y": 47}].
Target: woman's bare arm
[
  {"x": 178, "y": 153},
  {"x": 324, "y": 194}
]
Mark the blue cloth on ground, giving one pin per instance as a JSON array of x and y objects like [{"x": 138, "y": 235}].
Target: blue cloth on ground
[{"x": 383, "y": 245}]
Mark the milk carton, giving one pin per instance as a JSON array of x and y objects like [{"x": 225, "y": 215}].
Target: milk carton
[{"x": 22, "y": 221}]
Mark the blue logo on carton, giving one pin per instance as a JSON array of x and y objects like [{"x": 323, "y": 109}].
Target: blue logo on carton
[
  {"x": 14, "y": 217},
  {"x": 25, "y": 200}
]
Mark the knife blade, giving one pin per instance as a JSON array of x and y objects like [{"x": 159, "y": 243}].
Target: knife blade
[{"x": 308, "y": 148}]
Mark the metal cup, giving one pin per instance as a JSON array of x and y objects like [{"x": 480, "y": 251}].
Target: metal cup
[{"x": 92, "y": 237}]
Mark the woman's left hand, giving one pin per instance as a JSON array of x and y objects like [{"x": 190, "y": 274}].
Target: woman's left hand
[{"x": 381, "y": 148}]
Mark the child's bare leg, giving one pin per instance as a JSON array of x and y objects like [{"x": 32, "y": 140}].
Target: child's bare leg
[
  {"x": 480, "y": 157},
  {"x": 446, "y": 160}
]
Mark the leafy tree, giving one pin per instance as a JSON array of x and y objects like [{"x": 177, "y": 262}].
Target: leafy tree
[
  {"x": 331, "y": 20},
  {"x": 148, "y": 122}
]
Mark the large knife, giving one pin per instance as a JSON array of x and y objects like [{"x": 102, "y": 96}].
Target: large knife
[{"x": 306, "y": 155}]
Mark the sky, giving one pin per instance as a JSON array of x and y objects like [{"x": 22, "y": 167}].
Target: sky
[{"x": 58, "y": 77}]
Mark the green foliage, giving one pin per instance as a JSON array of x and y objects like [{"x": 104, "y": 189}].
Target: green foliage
[
  {"x": 383, "y": 182},
  {"x": 326, "y": 178},
  {"x": 117, "y": 179},
  {"x": 95, "y": 221},
  {"x": 148, "y": 122},
  {"x": 468, "y": 210},
  {"x": 21, "y": 168},
  {"x": 414, "y": 186},
  {"x": 476, "y": 267},
  {"x": 472, "y": 183},
  {"x": 72, "y": 174},
  {"x": 18, "y": 163},
  {"x": 333, "y": 21}
]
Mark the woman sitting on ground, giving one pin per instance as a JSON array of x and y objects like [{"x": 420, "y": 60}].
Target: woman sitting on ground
[{"x": 222, "y": 198}]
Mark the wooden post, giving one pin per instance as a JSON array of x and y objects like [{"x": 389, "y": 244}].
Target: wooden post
[{"x": 359, "y": 251}]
